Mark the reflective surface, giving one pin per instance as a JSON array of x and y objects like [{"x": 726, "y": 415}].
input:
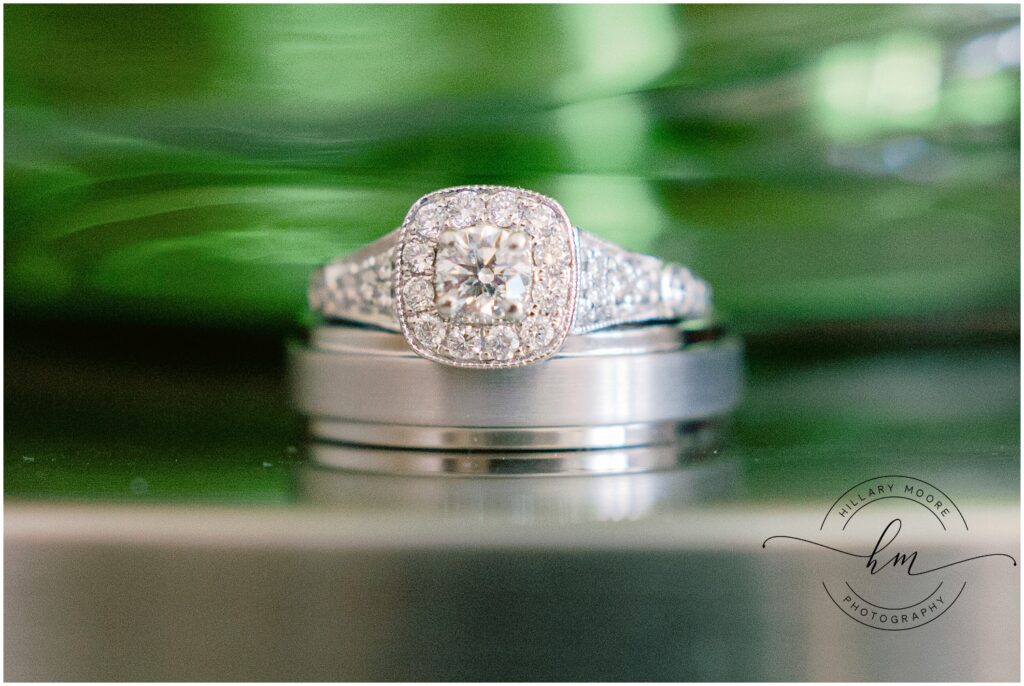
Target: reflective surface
[
  {"x": 155, "y": 555},
  {"x": 627, "y": 450}
]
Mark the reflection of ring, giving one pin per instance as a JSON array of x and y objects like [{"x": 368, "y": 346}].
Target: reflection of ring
[
  {"x": 494, "y": 277},
  {"x": 689, "y": 441},
  {"x": 331, "y": 476},
  {"x": 360, "y": 385}
]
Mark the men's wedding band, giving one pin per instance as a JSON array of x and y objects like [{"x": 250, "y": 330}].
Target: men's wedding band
[
  {"x": 495, "y": 277},
  {"x": 363, "y": 386}
]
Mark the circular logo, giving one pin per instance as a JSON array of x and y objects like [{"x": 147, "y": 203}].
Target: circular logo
[{"x": 890, "y": 538}]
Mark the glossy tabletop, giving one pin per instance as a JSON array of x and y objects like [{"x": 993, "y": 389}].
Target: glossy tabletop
[{"x": 172, "y": 525}]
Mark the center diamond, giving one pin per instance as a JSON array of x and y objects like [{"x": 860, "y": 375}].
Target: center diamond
[{"x": 483, "y": 274}]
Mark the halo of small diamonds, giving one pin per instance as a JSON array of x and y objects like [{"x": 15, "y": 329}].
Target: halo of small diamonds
[{"x": 502, "y": 267}]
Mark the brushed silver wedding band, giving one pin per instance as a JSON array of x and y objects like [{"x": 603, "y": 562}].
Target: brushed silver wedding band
[{"x": 621, "y": 387}]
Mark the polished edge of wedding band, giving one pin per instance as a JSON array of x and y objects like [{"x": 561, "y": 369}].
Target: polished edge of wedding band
[
  {"x": 495, "y": 438},
  {"x": 689, "y": 441}
]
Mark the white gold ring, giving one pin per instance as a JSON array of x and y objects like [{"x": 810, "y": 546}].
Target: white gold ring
[
  {"x": 626, "y": 386},
  {"x": 494, "y": 277}
]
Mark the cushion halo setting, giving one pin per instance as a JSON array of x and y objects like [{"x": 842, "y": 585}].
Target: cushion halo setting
[{"x": 486, "y": 276}]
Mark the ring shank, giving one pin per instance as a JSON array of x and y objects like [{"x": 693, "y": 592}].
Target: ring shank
[{"x": 616, "y": 287}]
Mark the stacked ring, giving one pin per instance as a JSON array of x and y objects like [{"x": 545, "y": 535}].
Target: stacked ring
[{"x": 430, "y": 339}]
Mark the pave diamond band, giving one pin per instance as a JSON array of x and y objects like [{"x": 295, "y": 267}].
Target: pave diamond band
[
  {"x": 623, "y": 288},
  {"x": 494, "y": 277}
]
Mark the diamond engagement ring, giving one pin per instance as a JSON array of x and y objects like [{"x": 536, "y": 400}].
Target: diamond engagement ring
[{"x": 492, "y": 277}]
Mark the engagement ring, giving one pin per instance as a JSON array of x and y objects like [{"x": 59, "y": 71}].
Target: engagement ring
[{"x": 494, "y": 277}]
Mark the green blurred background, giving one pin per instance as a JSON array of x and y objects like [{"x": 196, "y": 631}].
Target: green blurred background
[{"x": 847, "y": 177}]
